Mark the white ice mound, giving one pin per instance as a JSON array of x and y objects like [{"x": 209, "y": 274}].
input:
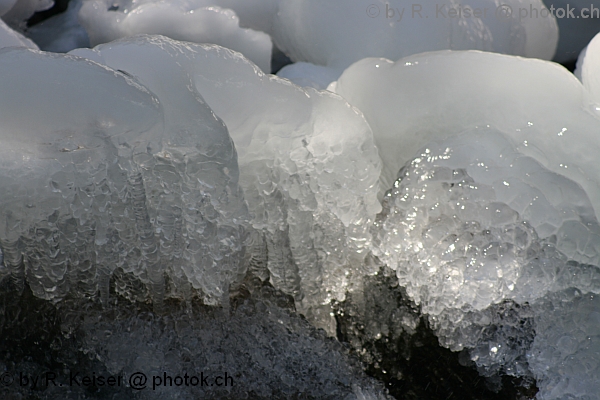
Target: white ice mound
[
  {"x": 194, "y": 21},
  {"x": 102, "y": 176},
  {"x": 336, "y": 34},
  {"x": 309, "y": 166},
  {"x": 495, "y": 210},
  {"x": 538, "y": 105}
]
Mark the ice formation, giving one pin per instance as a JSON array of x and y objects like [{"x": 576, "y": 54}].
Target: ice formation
[
  {"x": 139, "y": 180},
  {"x": 194, "y": 21},
  {"x": 309, "y": 166},
  {"x": 539, "y": 105},
  {"x": 489, "y": 217},
  {"x": 325, "y": 32},
  {"x": 6, "y": 5},
  {"x": 119, "y": 169}
]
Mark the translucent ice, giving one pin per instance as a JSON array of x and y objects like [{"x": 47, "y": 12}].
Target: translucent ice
[
  {"x": 334, "y": 34},
  {"x": 477, "y": 233},
  {"x": 309, "y": 167},
  {"x": 194, "y": 21},
  {"x": 6, "y": 5},
  {"x": 100, "y": 176},
  {"x": 494, "y": 210},
  {"x": 328, "y": 33},
  {"x": 565, "y": 355},
  {"x": 538, "y": 105}
]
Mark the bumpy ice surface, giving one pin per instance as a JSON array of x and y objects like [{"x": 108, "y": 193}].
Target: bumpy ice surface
[
  {"x": 326, "y": 33},
  {"x": 194, "y": 21},
  {"x": 323, "y": 33},
  {"x": 489, "y": 223},
  {"x": 308, "y": 163},
  {"x": 128, "y": 179}
]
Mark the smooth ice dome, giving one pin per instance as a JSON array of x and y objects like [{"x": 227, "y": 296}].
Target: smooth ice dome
[
  {"x": 193, "y": 21},
  {"x": 119, "y": 178},
  {"x": 538, "y": 105},
  {"x": 309, "y": 166},
  {"x": 326, "y": 32}
]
